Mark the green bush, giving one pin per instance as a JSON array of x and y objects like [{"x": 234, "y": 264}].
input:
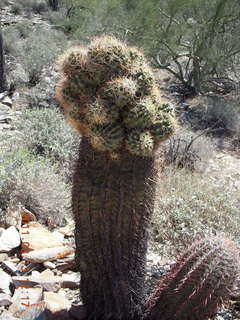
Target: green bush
[
  {"x": 187, "y": 149},
  {"x": 39, "y": 50},
  {"x": 46, "y": 133},
  {"x": 191, "y": 204},
  {"x": 36, "y": 52},
  {"x": 16, "y": 9},
  {"x": 33, "y": 183},
  {"x": 11, "y": 41}
]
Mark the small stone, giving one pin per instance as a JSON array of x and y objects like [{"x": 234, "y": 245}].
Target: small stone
[
  {"x": 9, "y": 239},
  {"x": 5, "y": 282},
  {"x": 5, "y": 299},
  {"x": 7, "y": 101},
  {"x": 55, "y": 302},
  {"x": 47, "y": 274},
  {"x": 3, "y": 256},
  {"x": 50, "y": 265}
]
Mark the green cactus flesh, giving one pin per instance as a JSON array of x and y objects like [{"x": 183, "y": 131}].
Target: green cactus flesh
[
  {"x": 140, "y": 143},
  {"x": 141, "y": 115},
  {"x": 114, "y": 86}
]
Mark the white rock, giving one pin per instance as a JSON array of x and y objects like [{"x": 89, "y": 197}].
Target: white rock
[
  {"x": 49, "y": 265},
  {"x": 37, "y": 237},
  {"x": 5, "y": 281},
  {"x": 48, "y": 254},
  {"x": 9, "y": 239},
  {"x": 56, "y": 302},
  {"x": 7, "y": 101},
  {"x": 23, "y": 297}
]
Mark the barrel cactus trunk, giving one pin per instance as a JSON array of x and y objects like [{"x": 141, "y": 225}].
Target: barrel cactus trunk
[
  {"x": 109, "y": 95},
  {"x": 112, "y": 205}
]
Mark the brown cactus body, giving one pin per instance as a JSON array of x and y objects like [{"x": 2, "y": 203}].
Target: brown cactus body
[{"x": 112, "y": 205}]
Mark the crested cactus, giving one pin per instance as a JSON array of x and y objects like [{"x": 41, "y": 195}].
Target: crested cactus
[
  {"x": 109, "y": 96},
  {"x": 112, "y": 84},
  {"x": 201, "y": 279}
]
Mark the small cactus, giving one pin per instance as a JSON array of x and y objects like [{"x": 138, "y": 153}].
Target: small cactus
[{"x": 197, "y": 284}]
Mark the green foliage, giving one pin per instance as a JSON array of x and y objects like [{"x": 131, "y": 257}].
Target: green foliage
[
  {"x": 194, "y": 40},
  {"x": 33, "y": 183},
  {"x": 203, "y": 276},
  {"x": 125, "y": 112},
  {"x": 190, "y": 204},
  {"x": 31, "y": 51},
  {"x": 45, "y": 132}
]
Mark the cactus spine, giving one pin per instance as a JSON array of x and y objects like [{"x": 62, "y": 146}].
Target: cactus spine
[
  {"x": 109, "y": 96},
  {"x": 201, "y": 279}
]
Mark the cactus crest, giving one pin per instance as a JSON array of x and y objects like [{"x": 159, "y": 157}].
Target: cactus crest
[
  {"x": 108, "y": 93},
  {"x": 203, "y": 276}
]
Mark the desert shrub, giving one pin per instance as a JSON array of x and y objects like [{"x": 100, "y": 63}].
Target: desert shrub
[
  {"x": 45, "y": 133},
  {"x": 33, "y": 6},
  {"x": 191, "y": 204},
  {"x": 24, "y": 29},
  {"x": 33, "y": 183},
  {"x": 221, "y": 112},
  {"x": 16, "y": 9},
  {"x": 11, "y": 37},
  {"x": 35, "y": 52},
  {"x": 40, "y": 50},
  {"x": 4, "y": 3},
  {"x": 187, "y": 149},
  {"x": 39, "y": 7}
]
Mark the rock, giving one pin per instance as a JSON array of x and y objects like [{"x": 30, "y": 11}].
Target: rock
[
  {"x": 55, "y": 302},
  {"x": 34, "y": 237},
  {"x": 27, "y": 216},
  {"x": 4, "y": 109},
  {"x": 48, "y": 254},
  {"x": 5, "y": 299},
  {"x": 9, "y": 239},
  {"x": 3, "y": 256},
  {"x": 35, "y": 312},
  {"x": 68, "y": 230},
  {"x": 10, "y": 268},
  {"x": 49, "y": 284},
  {"x": 47, "y": 274},
  {"x": 3, "y": 95},
  {"x": 23, "y": 298},
  {"x": 6, "y": 315},
  {"x": 50, "y": 265},
  {"x": 58, "y": 235},
  {"x": 7, "y": 101},
  {"x": 5, "y": 283}
]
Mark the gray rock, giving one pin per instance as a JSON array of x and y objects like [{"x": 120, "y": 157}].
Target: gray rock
[{"x": 5, "y": 299}]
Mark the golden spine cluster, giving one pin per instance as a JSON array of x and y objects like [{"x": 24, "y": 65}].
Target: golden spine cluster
[{"x": 109, "y": 94}]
